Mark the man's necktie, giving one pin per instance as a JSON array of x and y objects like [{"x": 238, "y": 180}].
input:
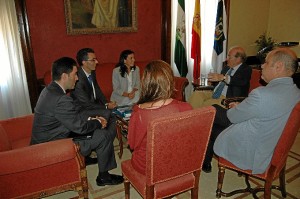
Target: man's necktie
[
  {"x": 218, "y": 91},
  {"x": 90, "y": 79}
]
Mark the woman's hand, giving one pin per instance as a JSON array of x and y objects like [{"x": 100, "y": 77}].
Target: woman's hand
[{"x": 131, "y": 94}]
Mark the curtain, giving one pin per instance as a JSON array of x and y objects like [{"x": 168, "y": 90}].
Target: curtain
[
  {"x": 14, "y": 95},
  {"x": 208, "y": 18}
]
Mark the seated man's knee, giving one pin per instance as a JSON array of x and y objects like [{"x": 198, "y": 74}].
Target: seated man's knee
[{"x": 197, "y": 98}]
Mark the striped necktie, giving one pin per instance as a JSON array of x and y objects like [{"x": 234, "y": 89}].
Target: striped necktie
[
  {"x": 90, "y": 79},
  {"x": 218, "y": 91}
]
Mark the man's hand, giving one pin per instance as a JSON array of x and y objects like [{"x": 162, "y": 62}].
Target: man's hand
[
  {"x": 215, "y": 77},
  {"x": 102, "y": 120},
  {"x": 233, "y": 104},
  {"x": 111, "y": 105}
]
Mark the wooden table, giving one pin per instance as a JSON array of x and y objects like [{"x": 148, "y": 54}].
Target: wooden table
[{"x": 198, "y": 86}]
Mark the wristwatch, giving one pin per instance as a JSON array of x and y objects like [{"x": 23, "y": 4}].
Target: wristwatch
[{"x": 224, "y": 78}]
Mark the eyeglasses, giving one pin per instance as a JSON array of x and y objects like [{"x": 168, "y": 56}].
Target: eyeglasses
[
  {"x": 231, "y": 57},
  {"x": 93, "y": 60}
]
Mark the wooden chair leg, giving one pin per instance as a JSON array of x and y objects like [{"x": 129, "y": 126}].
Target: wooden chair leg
[
  {"x": 149, "y": 192},
  {"x": 84, "y": 182},
  {"x": 85, "y": 194},
  {"x": 83, "y": 173},
  {"x": 119, "y": 137},
  {"x": 127, "y": 188},
  {"x": 194, "y": 191},
  {"x": 221, "y": 174},
  {"x": 282, "y": 182},
  {"x": 267, "y": 187}
]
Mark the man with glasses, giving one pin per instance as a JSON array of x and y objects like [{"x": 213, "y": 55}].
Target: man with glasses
[
  {"x": 87, "y": 91},
  {"x": 88, "y": 94},
  {"x": 234, "y": 81}
]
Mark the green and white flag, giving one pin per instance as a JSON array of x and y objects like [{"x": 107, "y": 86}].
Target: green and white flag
[{"x": 180, "y": 53}]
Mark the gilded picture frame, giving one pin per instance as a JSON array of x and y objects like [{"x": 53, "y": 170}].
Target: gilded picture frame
[{"x": 100, "y": 16}]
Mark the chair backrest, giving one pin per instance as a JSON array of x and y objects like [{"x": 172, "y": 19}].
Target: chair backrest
[
  {"x": 255, "y": 80},
  {"x": 176, "y": 144},
  {"x": 47, "y": 78},
  {"x": 286, "y": 139},
  {"x": 18, "y": 130},
  {"x": 180, "y": 84}
]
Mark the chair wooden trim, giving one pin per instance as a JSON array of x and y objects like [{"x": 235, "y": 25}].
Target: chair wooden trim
[
  {"x": 277, "y": 165},
  {"x": 42, "y": 169},
  {"x": 80, "y": 187}
]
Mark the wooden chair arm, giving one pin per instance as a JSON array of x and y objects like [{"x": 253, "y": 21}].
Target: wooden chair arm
[{"x": 227, "y": 101}]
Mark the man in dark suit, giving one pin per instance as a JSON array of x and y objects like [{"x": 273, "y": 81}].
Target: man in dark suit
[
  {"x": 87, "y": 91},
  {"x": 57, "y": 116},
  {"x": 234, "y": 81}
]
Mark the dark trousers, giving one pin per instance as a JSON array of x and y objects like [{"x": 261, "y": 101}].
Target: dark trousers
[
  {"x": 102, "y": 142},
  {"x": 221, "y": 122}
]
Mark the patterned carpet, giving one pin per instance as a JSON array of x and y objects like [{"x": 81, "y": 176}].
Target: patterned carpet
[{"x": 208, "y": 182}]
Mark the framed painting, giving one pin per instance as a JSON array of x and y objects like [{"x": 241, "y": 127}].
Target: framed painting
[{"x": 100, "y": 16}]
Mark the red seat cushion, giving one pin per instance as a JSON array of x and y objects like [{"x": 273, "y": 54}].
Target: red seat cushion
[{"x": 163, "y": 189}]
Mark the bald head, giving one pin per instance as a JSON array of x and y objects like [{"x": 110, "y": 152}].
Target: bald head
[
  {"x": 281, "y": 62},
  {"x": 236, "y": 55},
  {"x": 239, "y": 52},
  {"x": 287, "y": 57}
]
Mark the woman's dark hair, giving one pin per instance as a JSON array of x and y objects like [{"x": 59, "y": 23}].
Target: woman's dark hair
[
  {"x": 62, "y": 65},
  {"x": 157, "y": 82},
  {"x": 123, "y": 68}
]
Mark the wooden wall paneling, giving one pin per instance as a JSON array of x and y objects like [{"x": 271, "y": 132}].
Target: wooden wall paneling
[
  {"x": 166, "y": 30},
  {"x": 27, "y": 51}
]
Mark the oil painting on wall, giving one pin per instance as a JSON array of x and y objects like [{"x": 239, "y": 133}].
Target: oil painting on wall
[{"x": 100, "y": 16}]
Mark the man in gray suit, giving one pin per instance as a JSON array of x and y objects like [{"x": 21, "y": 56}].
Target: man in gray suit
[
  {"x": 255, "y": 125},
  {"x": 57, "y": 116}
]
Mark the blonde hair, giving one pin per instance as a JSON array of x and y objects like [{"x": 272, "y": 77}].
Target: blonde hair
[{"x": 157, "y": 82}]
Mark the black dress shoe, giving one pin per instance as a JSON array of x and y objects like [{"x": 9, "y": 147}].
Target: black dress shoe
[
  {"x": 90, "y": 161},
  {"x": 206, "y": 167},
  {"x": 112, "y": 180}
]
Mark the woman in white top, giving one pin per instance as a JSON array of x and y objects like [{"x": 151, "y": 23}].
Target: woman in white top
[{"x": 126, "y": 80}]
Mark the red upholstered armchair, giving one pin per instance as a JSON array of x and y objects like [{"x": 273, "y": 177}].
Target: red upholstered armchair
[
  {"x": 180, "y": 84},
  {"x": 176, "y": 146},
  {"x": 39, "y": 170},
  {"x": 276, "y": 168}
]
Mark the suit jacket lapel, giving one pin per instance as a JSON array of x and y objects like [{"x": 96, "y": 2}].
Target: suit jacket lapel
[{"x": 87, "y": 83}]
